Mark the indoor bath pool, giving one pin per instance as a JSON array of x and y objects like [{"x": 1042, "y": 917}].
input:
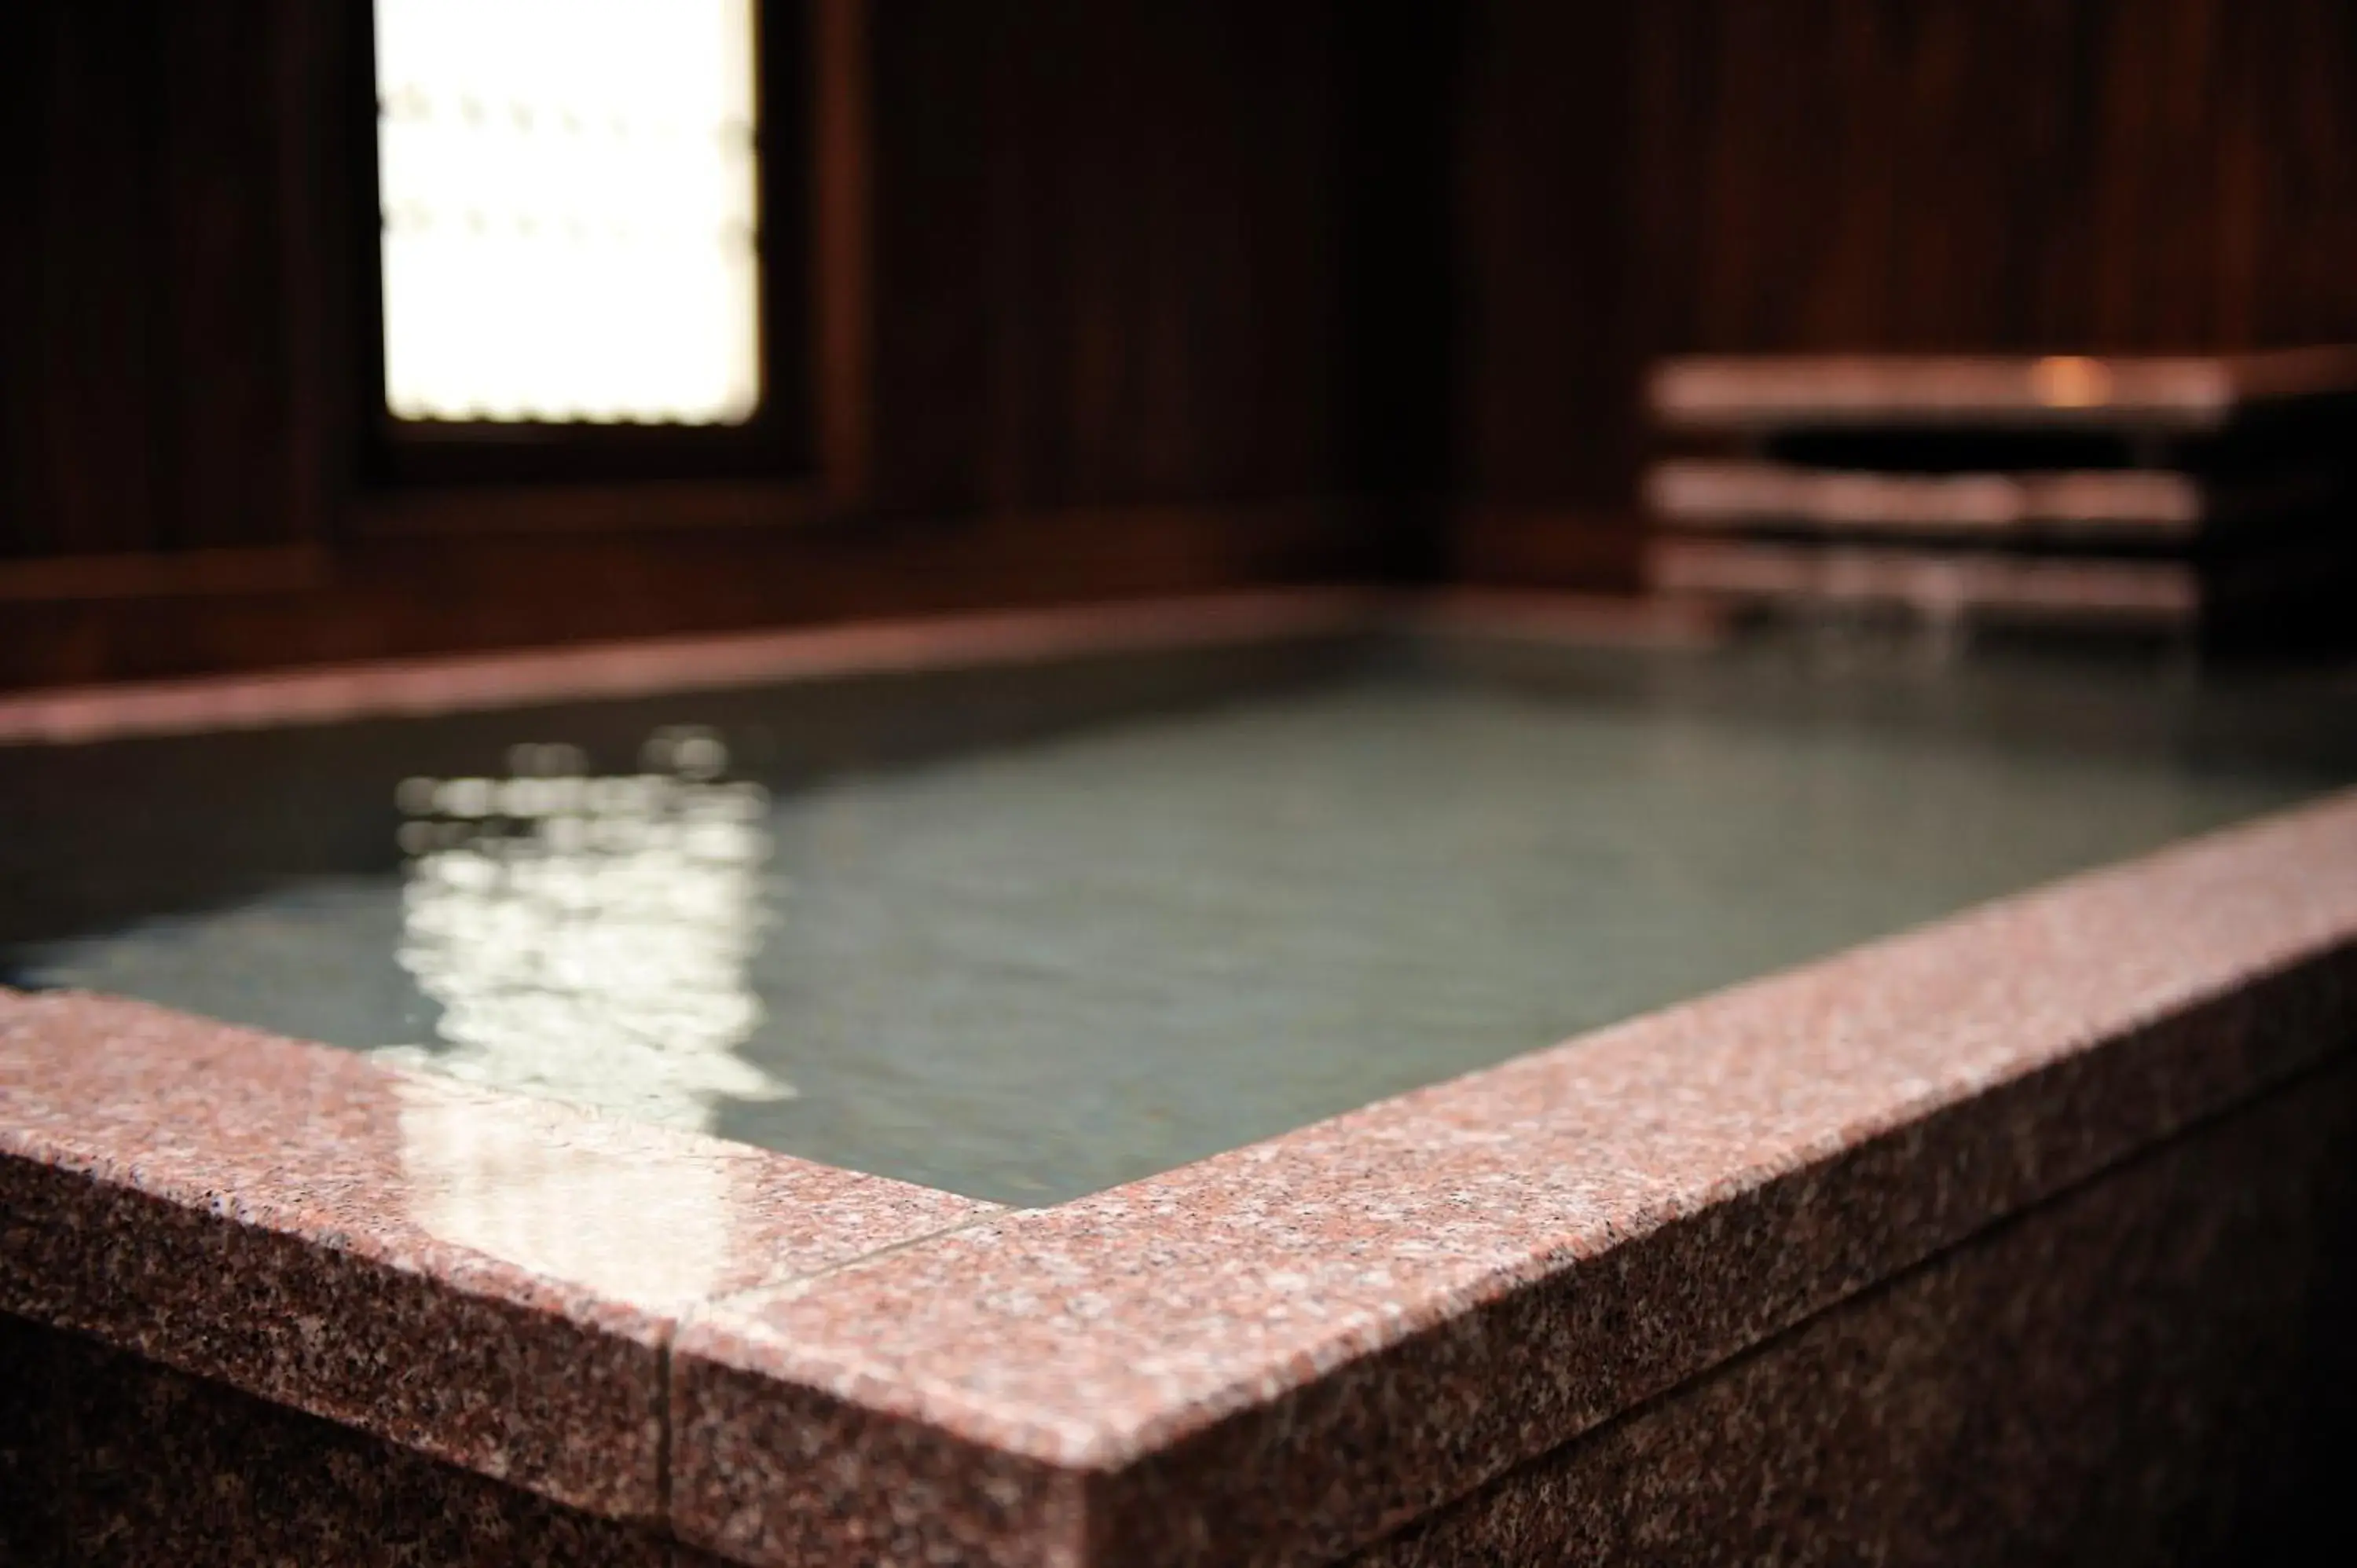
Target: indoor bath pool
[
  {"x": 1129, "y": 929},
  {"x": 1282, "y": 1081}
]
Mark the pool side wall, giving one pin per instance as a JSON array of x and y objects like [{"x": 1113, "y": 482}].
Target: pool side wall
[
  {"x": 2152, "y": 1367},
  {"x": 2155, "y": 1366}
]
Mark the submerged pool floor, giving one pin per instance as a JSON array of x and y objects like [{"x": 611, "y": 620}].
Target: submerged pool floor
[{"x": 1032, "y": 970}]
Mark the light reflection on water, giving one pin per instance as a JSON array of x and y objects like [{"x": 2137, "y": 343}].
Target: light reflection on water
[{"x": 588, "y": 939}]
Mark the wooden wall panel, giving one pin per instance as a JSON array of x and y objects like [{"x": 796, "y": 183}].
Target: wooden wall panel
[
  {"x": 1100, "y": 312},
  {"x": 74, "y": 319},
  {"x": 2111, "y": 174},
  {"x": 1128, "y": 261},
  {"x": 1721, "y": 176},
  {"x": 150, "y": 398},
  {"x": 1399, "y": 260},
  {"x": 391, "y": 596},
  {"x": 1105, "y": 252}
]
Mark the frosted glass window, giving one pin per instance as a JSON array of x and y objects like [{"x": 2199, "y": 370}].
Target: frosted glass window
[{"x": 569, "y": 209}]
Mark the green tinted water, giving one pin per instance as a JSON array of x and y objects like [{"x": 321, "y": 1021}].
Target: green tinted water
[{"x": 1033, "y": 969}]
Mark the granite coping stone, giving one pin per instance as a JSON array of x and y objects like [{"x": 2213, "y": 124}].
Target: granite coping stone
[
  {"x": 491, "y": 1279},
  {"x": 467, "y": 683},
  {"x": 1277, "y": 1355},
  {"x": 1287, "y": 1351}
]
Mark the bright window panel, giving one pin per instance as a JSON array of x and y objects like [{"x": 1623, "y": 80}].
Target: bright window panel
[{"x": 569, "y": 209}]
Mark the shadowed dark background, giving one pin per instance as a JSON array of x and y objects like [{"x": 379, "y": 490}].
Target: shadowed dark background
[{"x": 1111, "y": 299}]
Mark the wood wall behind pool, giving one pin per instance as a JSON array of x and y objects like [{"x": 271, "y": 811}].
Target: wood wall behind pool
[
  {"x": 157, "y": 333},
  {"x": 1121, "y": 297},
  {"x": 1732, "y": 175},
  {"x": 1086, "y": 335}
]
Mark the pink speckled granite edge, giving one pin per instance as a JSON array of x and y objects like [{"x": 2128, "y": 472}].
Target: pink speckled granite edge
[
  {"x": 2143, "y": 1370},
  {"x": 410, "y": 688},
  {"x": 1282, "y": 1353},
  {"x": 490, "y": 1279}
]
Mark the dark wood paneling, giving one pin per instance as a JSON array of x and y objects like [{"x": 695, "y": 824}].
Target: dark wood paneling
[
  {"x": 1691, "y": 176},
  {"x": 1400, "y": 98},
  {"x": 1105, "y": 250},
  {"x": 75, "y": 319},
  {"x": 1072, "y": 260},
  {"x": 394, "y": 595},
  {"x": 1080, "y": 257},
  {"x": 1548, "y": 392},
  {"x": 2022, "y": 174},
  {"x": 150, "y": 313}
]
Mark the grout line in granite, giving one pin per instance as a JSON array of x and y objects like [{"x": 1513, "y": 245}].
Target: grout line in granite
[
  {"x": 667, "y": 1432},
  {"x": 318, "y": 1217},
  {"x": 665, "y": 1439},
  {"x": 786, "y": 1289}
]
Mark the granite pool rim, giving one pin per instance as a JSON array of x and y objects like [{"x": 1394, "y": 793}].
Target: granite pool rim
[{"x": 1276, "y": 1354}]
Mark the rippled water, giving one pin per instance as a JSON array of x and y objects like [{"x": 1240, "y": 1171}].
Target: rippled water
[{"x": 1032, "y": 970}]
